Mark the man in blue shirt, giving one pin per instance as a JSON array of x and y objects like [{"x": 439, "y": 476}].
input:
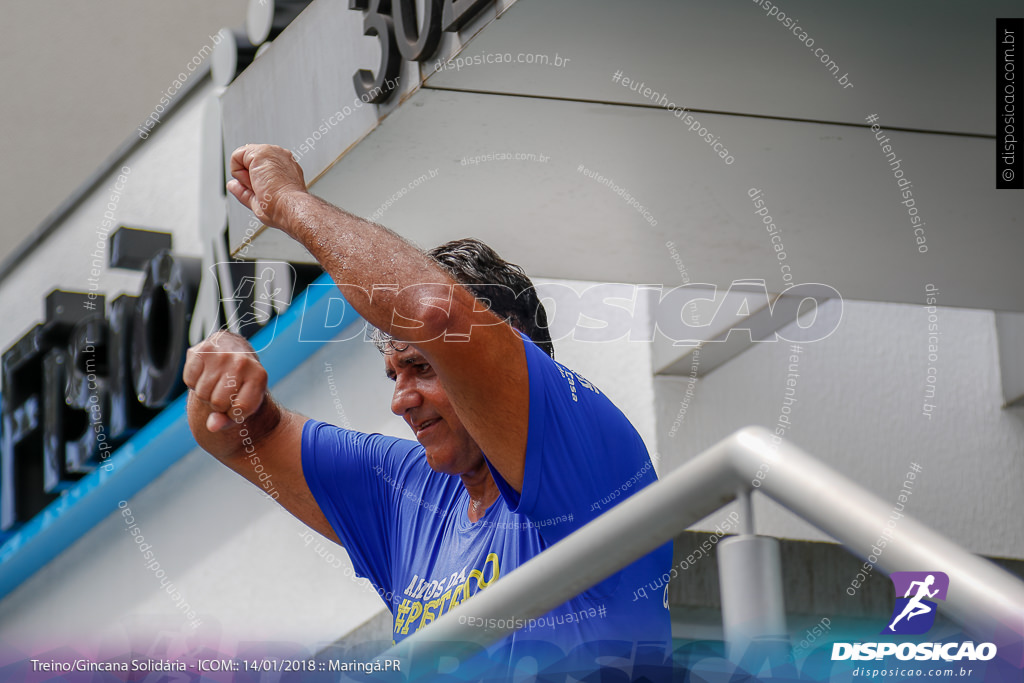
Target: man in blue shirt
[{"x": 493, "y": 414}]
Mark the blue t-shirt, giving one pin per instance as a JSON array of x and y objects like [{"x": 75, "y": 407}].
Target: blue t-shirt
[{"x": 407, "y": 529}]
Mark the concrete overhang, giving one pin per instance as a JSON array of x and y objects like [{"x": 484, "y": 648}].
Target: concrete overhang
[{"x": 420, "y": 165}]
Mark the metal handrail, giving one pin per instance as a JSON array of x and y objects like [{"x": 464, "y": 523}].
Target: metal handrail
[{"x": 985, "y": 599}]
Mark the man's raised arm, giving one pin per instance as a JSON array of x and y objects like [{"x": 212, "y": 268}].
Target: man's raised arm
[
  {"x": 400, "y": 290},
  {"x": 234, "y": 419}
]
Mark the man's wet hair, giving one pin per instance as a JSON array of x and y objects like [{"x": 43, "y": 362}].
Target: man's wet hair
[{"x": 478, "y": 268}]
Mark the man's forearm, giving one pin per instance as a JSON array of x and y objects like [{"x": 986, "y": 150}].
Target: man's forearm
[
  {"x": 391, "y": 283},
  {"x": 377, "y": 270}
]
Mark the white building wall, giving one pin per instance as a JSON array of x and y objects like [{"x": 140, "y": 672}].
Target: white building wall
[
  {"x": 160, "y": 194},
  {"x": 859, "y": 404}
]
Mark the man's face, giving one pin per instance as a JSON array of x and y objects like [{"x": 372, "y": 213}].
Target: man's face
[{"x": 421, "y": 401}]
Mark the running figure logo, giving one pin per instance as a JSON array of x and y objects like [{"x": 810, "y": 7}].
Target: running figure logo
[{"x": 914, "y": 612}]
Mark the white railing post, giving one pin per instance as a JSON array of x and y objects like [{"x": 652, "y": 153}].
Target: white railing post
[{"x": 750, "y": 585}]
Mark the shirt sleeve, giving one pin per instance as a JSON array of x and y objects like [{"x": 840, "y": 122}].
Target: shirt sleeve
[
  {"x": 583, "y": 455},
  {"x": 354, "y": 478}
]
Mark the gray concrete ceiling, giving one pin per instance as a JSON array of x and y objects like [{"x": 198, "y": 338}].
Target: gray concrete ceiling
[
  {"x": 78, "y": 77},
  {"x": 796, "y": 134}
]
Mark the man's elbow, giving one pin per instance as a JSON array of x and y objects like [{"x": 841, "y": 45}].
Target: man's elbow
[
  {"x": 420, "y": 312},
  {"x": 453, "y": 319}
]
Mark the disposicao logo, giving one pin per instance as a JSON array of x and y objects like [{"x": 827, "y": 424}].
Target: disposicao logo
[{"x": 914, "y": 614}]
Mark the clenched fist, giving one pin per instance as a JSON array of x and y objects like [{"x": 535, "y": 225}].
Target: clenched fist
[
  {"x": 226, "y": 378},
  {"x": 264, "y": 178}
]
